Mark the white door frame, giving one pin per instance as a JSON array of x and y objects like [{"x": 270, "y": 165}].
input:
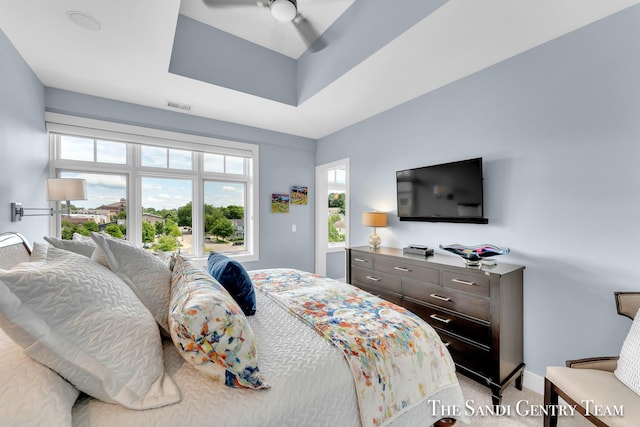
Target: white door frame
[{"x": 322, "y": 228}]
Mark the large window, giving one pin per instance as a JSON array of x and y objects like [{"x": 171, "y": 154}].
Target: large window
[{"x": 170, "y": 193}]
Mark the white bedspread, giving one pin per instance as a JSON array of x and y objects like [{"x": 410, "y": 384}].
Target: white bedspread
[
  {"x": 310, "y": 382},
  {"x": 303, "y": 369}
]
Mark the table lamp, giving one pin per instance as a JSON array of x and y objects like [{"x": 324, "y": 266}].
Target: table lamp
[{"x": 374, "y": 219}]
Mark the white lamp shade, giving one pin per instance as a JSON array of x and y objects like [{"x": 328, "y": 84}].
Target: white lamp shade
[
  {"x": 284, "y": 10},
  {"x": 59, "y": 189}
]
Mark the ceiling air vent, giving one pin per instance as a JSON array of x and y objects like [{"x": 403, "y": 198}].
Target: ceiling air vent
[{"x": 179, "y": 106}]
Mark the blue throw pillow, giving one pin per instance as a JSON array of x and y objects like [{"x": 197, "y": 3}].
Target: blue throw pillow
[{"x": 232, "y": 275}]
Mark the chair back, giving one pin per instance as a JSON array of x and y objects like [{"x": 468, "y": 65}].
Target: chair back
[{"x": 628, "y": 303}]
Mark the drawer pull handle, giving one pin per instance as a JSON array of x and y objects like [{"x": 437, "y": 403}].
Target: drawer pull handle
[
  {"x": 375, "y": 279},
  {"x": 406, "y": 270},
  {"x": 440, "y": 319},
  {"x": 360, "y": 260},
  {"x": 441, "y": 298},
  {"x": 463, "y": 282}
]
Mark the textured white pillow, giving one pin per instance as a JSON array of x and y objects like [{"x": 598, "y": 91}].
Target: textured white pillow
[
  {"x": 79, "y": 319},
  {"x": 628, "y": 369},
  {"x": 39, "y": 252},
  {"x": 144, "y": 272},
  {"x": 31, "y": 394},
  {"x": 81, "y": 238},
  {"x": 82, "y": 247}
]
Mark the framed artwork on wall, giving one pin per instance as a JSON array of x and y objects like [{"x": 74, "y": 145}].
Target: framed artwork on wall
[
  {"x": 279, "y": 203},
  {"x": 299, "y": 195}
]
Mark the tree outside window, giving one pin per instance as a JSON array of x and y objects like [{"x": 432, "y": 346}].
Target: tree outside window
[{"x": 336, "y": 217}]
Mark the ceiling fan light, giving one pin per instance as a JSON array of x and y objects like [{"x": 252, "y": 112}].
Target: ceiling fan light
[{"x": 284, "y": 10}]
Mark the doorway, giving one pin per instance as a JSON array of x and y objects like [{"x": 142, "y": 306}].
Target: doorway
[{"x": 332, "y": 218}]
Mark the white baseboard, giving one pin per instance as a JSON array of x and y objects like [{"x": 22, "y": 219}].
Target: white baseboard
[{"x": 533, "y": 382}]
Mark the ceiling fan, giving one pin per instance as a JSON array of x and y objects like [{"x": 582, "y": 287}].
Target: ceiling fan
[{"x": 283, "y": 11}]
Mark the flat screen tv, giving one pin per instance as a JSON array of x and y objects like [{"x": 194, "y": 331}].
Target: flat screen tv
[{"x": 448, "y": 192}]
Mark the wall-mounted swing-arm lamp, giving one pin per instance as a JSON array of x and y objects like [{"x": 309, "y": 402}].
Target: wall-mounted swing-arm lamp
[{"x": 58, "y": 189}]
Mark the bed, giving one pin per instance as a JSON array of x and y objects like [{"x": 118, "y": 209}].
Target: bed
[{"x": 307, "y": 379}]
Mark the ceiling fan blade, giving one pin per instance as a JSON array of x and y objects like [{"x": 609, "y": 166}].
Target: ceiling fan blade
[
  {"x": 231, "y": 3},
  {"x": 312, "y": 39}
]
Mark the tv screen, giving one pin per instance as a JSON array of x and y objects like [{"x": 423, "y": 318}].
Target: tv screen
[{"x": 449, "y": 192}]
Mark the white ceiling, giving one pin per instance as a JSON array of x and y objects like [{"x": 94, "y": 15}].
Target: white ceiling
[{"x": 128, "y": 59}]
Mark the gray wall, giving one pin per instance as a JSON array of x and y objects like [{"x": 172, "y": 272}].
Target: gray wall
[
  {"x": 336, "y": 265},
  {"x": 24, "y": 144},
  {"x": 558, "y": 129}
]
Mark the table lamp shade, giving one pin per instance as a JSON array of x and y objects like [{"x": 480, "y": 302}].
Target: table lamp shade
[{"x": 374, "y": 219}]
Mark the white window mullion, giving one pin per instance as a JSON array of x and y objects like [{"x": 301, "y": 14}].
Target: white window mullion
[
  {"x": 134, "y": 198},
  {"x": 197, "y": 215},
  {"x": 251, "y": 210},
  {"x": 54, "y": 148}
]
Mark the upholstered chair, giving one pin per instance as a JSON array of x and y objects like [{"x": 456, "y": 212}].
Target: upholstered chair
[{"x": 591, "y": 384}]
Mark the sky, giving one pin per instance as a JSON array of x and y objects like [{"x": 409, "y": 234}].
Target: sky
[{"x": 158, "y": 193}]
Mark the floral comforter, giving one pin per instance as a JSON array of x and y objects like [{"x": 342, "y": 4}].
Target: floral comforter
[{"x": 396, "y": 358}]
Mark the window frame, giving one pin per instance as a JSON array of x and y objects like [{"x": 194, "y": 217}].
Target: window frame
[{"x": 135, "y": 137}]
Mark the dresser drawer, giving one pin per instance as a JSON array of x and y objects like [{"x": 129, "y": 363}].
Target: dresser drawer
[
  {"x": 478, "y": 285},
  {"x": 474, "y": 331},
  {"x": 376, "y": 279},
  {"x": 361, "y": 260},
  {"x": 389, "y": 296},
  {"x": 472, "y": 357},
  {"x": 470, "y": 305},
  {"x": 409, "y": 271}
]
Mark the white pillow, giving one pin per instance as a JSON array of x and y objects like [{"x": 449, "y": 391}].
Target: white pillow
[
  {"x": 31, "y": 394},
  {"x": 79, "y": 319},
  {"x": 628, "y": 369},
  {"x": 144, "y": 272},
  {"x": 81, "y": 238},
  {"x": 39, "y": 252},
  {"x": 82, "y": 247}
]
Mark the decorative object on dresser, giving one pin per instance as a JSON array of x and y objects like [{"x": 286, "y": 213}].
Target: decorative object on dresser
[
  {"x": 473, "y": 255},
  {"x": 418, "y": 250},
  {"x": 374, "y": 219},
  {"x": 477, "y": 312}
]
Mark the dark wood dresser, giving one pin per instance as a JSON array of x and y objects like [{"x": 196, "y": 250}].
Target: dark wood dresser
[{"x": 477, "y": 311}]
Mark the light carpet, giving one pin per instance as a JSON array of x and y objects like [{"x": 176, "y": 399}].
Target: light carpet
[{"x": 518, "y": 408}]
